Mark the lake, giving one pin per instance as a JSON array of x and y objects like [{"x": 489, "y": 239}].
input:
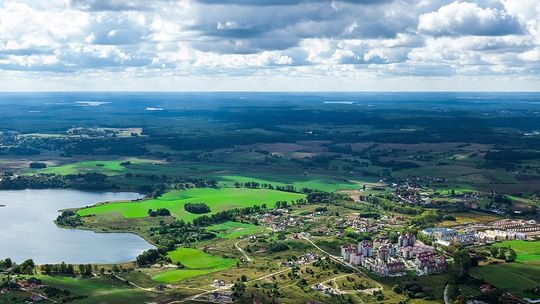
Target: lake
[{"x": 27, "y": 229}]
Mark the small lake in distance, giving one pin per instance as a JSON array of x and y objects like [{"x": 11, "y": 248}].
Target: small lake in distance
[{"x": 28, "y": 231}]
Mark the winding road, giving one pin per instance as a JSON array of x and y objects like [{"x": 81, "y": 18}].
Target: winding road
[{"x": 242, "y": 251}]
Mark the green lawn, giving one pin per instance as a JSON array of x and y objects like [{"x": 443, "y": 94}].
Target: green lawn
[
  {"x": 233, "y": 230},
  {"x": 197, "y": 263},
  {"x": 197, "y": 259},
  {"x": 216, "y": 199},
  {"x": 526, "y": 251}
]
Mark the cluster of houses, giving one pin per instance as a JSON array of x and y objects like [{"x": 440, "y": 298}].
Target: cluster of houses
[
  {"x": 528, "y": 228},
  {"x": 218, "y": 297},
  {"x": 411, "y": 195},
  {"x": 281, "y": 220},
  {"x": 388, "y": 259},
  {"x": 325, "y": 289},
  {"x": 307, "y": 258},
  {"x": 363, "y": 224},
  {"x": 28, "y": 285}
]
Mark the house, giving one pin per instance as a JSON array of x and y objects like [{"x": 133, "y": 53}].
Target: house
[
  {"x": 35, "y": 298},
  {"x": 486, "y": 288},
  {"x": 23, "y": 283}
]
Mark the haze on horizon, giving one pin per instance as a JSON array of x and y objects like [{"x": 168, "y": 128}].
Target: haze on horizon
[{"x": 269, "y": 45}]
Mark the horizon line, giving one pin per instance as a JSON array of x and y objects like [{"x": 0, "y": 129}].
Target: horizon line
[{"x": 268, "y": 91}]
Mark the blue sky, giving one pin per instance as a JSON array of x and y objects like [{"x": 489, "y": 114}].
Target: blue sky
[{"x": 213, "y": 45}]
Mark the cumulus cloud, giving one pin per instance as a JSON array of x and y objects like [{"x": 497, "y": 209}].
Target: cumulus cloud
[
  {"x": 465, "y": 18},
  {"x": 295, "y": 38}
]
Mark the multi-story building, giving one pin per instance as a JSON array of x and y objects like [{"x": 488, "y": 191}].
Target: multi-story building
[
  {"x": 440, "y": 234},
  {"x": 410, "y": 252},
  {"x": 347, "y": 250},
  {"x": 407, "y": 239},
  {"x": 365, "y": 248},
  {"x": 390, "y": 268},
  {"x": 356, "y": 258},
  {"x": 428, "y": 263}
]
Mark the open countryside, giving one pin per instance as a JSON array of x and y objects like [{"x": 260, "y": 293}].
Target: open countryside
[
  {"x": 358, "y": 217},
  {"x": 269, "y": 152}
]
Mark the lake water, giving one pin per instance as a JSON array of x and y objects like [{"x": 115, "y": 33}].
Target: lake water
[{"x": 27, "y": 229}]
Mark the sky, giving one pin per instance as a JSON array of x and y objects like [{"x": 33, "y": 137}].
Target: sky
[{"x": 269, "y": 45}]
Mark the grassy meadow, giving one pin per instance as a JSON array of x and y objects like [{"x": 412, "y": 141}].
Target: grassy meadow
[
  {"x": 515, "y": 277},
  {"x": 323, "y": 183},
  {"x": 217, "y": 199},
  {"x": 526, "y": 251},
  {"x": 233, "y": 230},
  {"x": 108, "y": 167},
  {"x": 225, "y": 173},
  {"x": 196, "y": 263}
]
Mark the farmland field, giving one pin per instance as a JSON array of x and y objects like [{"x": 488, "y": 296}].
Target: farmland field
[
  {"x": 514, "y": 277},
  {"x": 518, "y": 276},
  {"x": 226, "y": 174},
  {"x": 216, "y": 199},
  {"x": 108, "y": 167},
  {"x": 526, "y": 251},
  {"x": 312, "y": 182}
]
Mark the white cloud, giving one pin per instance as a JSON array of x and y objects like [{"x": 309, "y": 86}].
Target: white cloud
[
  {"x": 466, "y": 18},
  {"x": 252, "y": 39}
]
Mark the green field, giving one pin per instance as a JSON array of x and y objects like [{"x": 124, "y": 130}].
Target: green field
[
  {"x": 197, "y": 263},
  {"x": 526, "y": 251},
  {"x": 108, "y": 167},
  {"x": 323, "y": 183},
  {"x": 97, "y": 290},
  {"x": 225, "y": 174},
  {"x": 233, "y": 230},
  {"x": 514, "y": 277},
  {"x": 216, "y": 199}
]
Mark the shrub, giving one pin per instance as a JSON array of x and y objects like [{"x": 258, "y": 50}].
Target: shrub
[{"x": 197, "y": 208}]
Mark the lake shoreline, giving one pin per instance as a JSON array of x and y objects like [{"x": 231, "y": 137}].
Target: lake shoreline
[{"x": 35, "y": 211}]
